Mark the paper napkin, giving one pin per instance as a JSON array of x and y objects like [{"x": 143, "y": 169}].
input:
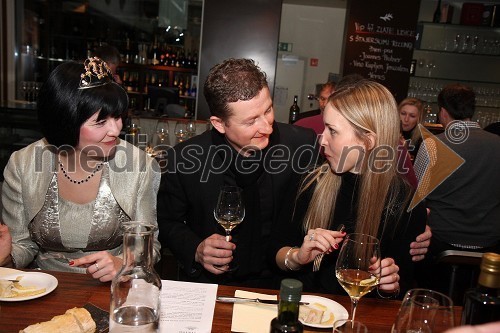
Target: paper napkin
[{"x": 253, "y": 317}]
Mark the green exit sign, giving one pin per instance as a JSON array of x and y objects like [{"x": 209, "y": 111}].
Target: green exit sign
[{"x": 285, "y": 47}]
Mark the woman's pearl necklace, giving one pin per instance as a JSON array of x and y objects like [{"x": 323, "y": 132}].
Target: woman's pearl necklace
[{"x": 97, "y": 168}]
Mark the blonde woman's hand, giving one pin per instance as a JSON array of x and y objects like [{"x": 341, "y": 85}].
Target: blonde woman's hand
[
  {"x": 318, "y": 241},
  {"x": 101, "y": 265}
]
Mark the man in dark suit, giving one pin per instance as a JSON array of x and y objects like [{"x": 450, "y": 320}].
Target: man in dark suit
[{"x": 245, "y": 148}]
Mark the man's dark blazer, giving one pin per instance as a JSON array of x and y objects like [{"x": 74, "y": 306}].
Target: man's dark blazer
[{"x": 191, "y": 183}]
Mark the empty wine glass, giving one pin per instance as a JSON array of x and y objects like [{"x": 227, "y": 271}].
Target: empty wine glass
[
  {"x": 181, "y": 132},
  {"x": 160, "y": 140},
  {"x": 133, "y": 132},
  {"x": 358, "y": 266},
  {"x": 424, "y": 311},
  {"x": 229, "y": 211},
  {"x": 191, "y": 128}
]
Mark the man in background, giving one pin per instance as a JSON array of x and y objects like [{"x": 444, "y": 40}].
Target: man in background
[
  {"x": 111, "y": 56},
  {"x": 314, "y": 119}
]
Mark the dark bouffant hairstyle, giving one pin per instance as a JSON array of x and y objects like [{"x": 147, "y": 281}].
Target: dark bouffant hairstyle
[
  {"x": 63, "y": 108},
  {"x": 231, "y": 81}
]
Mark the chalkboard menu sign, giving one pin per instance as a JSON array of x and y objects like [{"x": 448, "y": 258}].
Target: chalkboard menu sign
[{"x": 380, "y": 36}]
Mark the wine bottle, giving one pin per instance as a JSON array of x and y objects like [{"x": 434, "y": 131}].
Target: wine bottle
[
  {"x": 294, "y": 110},
  {"x": 482, "y": 304},
  {"x": 154, "y": 56},
  {"x": 288, "y": 308},
  {"x": 437, "y": 13}
]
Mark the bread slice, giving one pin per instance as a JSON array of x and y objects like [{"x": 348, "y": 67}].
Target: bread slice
[
  {"x": 76, "y": 320},
  {"x": 84, "y": 319},
  {"x": 310, "y": 315}
]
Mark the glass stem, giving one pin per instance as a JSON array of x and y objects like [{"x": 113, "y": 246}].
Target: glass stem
[
  {"x": 354, "y": 304},
  {"x": 228, "y": 233}
]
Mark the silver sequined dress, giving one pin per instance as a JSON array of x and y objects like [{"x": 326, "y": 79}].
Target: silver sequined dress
[{"x": 64, "y": 230}]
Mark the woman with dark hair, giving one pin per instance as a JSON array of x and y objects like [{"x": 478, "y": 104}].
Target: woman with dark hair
[{"x": 66, "y": 196}]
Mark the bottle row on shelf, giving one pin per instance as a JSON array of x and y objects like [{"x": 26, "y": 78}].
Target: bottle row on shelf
[
  {"x": 160, "y": 54},
  {"x": 132, "y": 81}
]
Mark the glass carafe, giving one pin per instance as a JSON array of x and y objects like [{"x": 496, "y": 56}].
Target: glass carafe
[{"x": 135, "y": 290}]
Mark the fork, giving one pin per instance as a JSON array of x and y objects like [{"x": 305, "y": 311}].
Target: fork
[{"x": 319, "y": 257}]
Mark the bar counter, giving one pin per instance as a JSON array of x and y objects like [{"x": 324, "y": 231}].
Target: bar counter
[{"x": 75, "y": 290}]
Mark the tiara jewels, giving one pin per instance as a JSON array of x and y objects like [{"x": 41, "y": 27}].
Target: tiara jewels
[{"x": 97, "y": 73}]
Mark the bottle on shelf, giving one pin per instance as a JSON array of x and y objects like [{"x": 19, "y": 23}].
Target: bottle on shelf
[
  {"x": 154, "y": 56},
  {"x": 288, "y": 308},
  {"x": 294, "y": 110},
  {"x": 482, "y": 304},
  {"x": 436, "y": 18},
  {"x": 128, "y": 57}
]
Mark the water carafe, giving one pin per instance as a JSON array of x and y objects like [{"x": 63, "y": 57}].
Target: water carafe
[{"x": 135, "y": 290}]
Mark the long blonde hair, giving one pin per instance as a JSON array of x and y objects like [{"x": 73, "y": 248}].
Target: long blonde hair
[{"x": 370, "y": 108}]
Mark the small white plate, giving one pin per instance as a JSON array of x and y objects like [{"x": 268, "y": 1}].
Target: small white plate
[
  {"x": 36, "y": 279},
  {"x": 332, "y": 307}
]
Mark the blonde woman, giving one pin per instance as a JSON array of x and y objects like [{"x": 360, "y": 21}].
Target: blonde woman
[
  {"x": 411, "y": 113},
  {"x": 357, "y": 186}
]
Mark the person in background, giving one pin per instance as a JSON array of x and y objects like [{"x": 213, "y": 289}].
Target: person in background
[
  {"x": 493, "y": 128},
  {"x": 411, "y": 113},
  {"x": 246, "y": 148},
  {"x": 314, "y": 119},
  {"x": 112, "y": 57},
  {"x": 66, "y": 196},
  {"x": 465, "y": 206},
  {"x": 353, "y": 189}
]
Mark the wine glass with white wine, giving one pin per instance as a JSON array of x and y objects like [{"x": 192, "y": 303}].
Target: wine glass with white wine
[
  {"x": 358, "y": 266},
  {"x": 229, "y": 212}
]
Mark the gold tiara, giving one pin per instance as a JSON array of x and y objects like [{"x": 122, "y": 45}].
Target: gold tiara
[{"x": 97, "y": 73}]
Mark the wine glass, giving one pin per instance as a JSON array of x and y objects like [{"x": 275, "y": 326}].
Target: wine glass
[
  {"x": 229, "y": 211},
  {"x": 358, "y": 266},
  {"x": 424, "y": 311},
  {"x": 349, "y": 326},
  {"x": 181, "y": 132},
  {"x": 191, "y": 128}
]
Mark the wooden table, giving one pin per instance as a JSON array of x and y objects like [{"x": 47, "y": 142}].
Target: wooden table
[{"x": 75, "y": 290}]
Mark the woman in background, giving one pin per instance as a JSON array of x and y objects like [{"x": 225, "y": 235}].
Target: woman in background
[
  {"x": 411, "y": 113},
  {"x": 67, "y": 195}
]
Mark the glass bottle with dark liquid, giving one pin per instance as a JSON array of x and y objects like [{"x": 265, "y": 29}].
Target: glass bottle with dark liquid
[
  {"x": 294, "y": 111},
  {"x": 482, "y": 304},
  {"x": 288, "y": 308}
]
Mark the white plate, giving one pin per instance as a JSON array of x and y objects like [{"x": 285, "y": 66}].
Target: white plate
[
  {"x": 338, "y": 310},
  {"x": 37, "y": 279}
]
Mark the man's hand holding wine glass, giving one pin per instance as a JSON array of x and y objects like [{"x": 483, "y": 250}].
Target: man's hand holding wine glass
[
  {"x": 389, "y": 277},
  {"x": 215, "y": 250}
]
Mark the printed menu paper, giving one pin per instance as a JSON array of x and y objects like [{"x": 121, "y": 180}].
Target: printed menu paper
[{"x": 187, "y": 307}]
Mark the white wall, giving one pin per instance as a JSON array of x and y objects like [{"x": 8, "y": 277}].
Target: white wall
[{"x": 315, "y": 32}]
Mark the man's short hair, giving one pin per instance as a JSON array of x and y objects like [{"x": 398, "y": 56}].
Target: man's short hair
[
  {"x": 458, "y": 100},
  {"x": 231, "y": 81}
]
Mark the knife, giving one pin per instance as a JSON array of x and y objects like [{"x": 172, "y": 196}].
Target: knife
[{"x": 226, "y": 299}]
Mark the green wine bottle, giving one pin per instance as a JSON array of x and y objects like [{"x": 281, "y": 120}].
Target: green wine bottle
[{"x": 288, "y": 308}]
